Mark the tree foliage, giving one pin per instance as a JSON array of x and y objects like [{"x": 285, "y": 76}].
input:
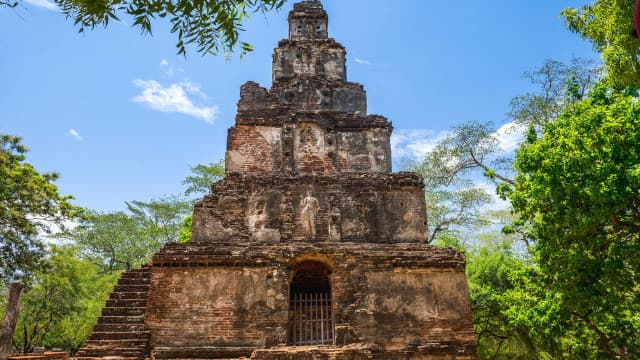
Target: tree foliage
[
  {"x": 212, "y": 26},
  {"x": 578, "y": 185},
  {"x": 199, "y": 183},
  {"x": 124, "y": 240},
  {"x": 469, "y": 146},
  {"x": 495, "y": 274},
  {"x": 607, "y": 24},
  {"x": 63, "y": 303},
  {"x": 556, "y": 85},
  {"x": 160, "y": 218},
  {"x": 29, "y": 205},
  {"x": 202, "y": 176},
  {"x": 454, "y": 202}
]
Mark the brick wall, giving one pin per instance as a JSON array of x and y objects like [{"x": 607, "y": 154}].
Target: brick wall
[{"x": 402, "y": 297}]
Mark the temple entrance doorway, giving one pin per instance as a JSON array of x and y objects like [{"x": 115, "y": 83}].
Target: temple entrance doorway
[{"x": 310, "y": 311}]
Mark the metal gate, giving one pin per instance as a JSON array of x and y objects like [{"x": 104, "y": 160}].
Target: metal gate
[{"x": 311, "y": 320}]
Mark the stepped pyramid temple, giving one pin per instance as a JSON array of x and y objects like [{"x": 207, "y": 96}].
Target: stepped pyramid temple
[{"x": 310, "y": 248}]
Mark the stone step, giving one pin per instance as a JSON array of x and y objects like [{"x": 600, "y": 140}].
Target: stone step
[
  {"x": 120, "y": 335},
  {"x": 203, "y": 352},
  {"x": 126, "y": 303},
  {"x": 100, "y": 352},
  {"x": 137, "y": 276},
  {"x": 131, "y": 328},
  {"x": 121, "y": 319},
  {"x": 131, "y": 288},
  {"x": 128, "y": 295},
  {"x": 116, "y": 343},
  {"x": 140, "y": 276},
  {"x": 134, "y": 281},
  {"x": 123, "y": 311},
  {"x": 143, "y": 270},
  {"x": 120, "y": 332},
  {"x": 110, "y": 358}
]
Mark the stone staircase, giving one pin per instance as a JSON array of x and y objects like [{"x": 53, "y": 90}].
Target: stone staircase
[{"x": 120, "y": 332}]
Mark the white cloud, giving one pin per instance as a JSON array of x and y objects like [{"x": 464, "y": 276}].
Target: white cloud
[
  {"x": 168, "y": 69},
  {"x": 363, "y": 62},
  {"x": 509, "y": 136},
  {"x": 370, "y": 63},
  {"x": 75, "y": 134},
  {"x": 45, "y": 4},
  {"x": 175, "y": 98},
  {"x": 415, "y": 142}
]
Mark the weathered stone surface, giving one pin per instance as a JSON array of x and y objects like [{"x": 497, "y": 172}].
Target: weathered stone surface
[
  {"x": 352, "y": 207},
  {"x": 307, "y": 21},
  {"x": 303, "y": 58},
  {"x": 310, "y": 240},
  {"x": 226, "y": 295},
  {"x": 310, "y": 144}
]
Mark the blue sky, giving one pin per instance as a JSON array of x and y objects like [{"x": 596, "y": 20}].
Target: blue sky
[{"x": 121, "y": 117}]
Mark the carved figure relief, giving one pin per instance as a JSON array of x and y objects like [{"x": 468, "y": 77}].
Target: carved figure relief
[
  {"x": 258, "y": 220},
  {"x": 308, "y": 141},
  {"x": 351, "y": 222},
  {"x": 334, "y": 224},
  {"x": 308, "y": 213}
]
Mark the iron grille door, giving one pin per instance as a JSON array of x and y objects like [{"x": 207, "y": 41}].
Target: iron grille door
[{"x": 311, "y": 319}]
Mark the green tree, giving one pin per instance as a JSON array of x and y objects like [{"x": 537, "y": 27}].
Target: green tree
[
  {"x": 495, "y": 275},
  {"x": 469, "y": 146},
  {"x": 124, "y": 240},
  {"x": 454, "y": 202},
  {"x": 29, "y": 205},
  {"x": 212, "y": 26},
  {"x": 199, "y": 183},
  {"x": 60, "y": 306},
  {"x": 185, "y": 231},
  {"x": 112, "y": 240},
  {"x": 202, "y": 176},
  {"x": 556, "y": 85},
  {"x": 578, "y": 187},
  {"x": 607, "y": 25},
  {"x": 514, "y": 311},
  {"x": 160, "y": 219},
  {"x": 474, "y": 145}
]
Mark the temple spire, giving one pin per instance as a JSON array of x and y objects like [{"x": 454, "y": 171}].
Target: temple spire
[{"x": 308, "y": 21}]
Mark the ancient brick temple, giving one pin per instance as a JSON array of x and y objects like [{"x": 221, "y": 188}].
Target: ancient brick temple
[{"x": 310, "y": 248}]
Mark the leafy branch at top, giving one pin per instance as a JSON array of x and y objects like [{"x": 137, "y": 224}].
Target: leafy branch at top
[{"x": 212, "y": 26}]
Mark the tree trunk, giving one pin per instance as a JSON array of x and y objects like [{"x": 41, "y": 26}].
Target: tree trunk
[{"x": 10, "y": 319}]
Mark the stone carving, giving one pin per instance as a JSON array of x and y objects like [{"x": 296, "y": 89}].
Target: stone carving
[
  {"x": 258, "y": 219},
  {"x": 334, "y": 223},
  {"x": 352, "y": 225},
  {"x": 310, "y": 206}
]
